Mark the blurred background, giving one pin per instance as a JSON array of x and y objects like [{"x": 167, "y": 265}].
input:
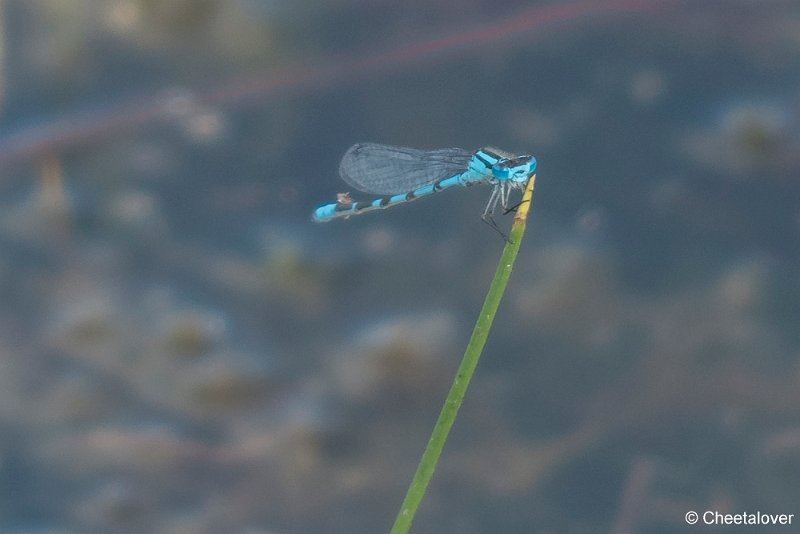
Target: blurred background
[{"x": 183, "y": 350}]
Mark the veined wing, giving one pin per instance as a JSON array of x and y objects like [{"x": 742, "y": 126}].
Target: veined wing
[{"x": 390, "y": 170}]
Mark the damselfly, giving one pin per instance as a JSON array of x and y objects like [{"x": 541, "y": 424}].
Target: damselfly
[{"x": 401, "y": 175}]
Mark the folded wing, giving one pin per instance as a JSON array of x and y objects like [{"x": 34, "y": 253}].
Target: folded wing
[{"x": 390, "y": 170}]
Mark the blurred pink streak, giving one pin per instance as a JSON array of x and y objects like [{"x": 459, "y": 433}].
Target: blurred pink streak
[{"x": 78, "y": 128}]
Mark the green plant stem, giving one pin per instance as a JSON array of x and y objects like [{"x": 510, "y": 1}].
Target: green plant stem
[{"x": 455, "y": 397}]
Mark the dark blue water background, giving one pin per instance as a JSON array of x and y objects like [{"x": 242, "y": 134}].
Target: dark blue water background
[{"x": 181, "y": 349}]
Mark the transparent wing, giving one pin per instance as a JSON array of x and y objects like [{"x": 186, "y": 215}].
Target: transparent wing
[{"x": 390, "y": 170}]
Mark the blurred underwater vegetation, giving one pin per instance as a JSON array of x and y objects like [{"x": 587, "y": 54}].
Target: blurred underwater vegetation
[{"x": 182, "y": 350}]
